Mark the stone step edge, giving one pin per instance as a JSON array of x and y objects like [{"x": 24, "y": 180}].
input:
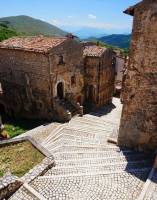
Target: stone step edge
[
  {"x": 90, "y": 159},
  {"x": 97, "y": 152},
  {"x": 84, "y": 126},
  {"x": 62, "y": 140},
  {"x": 100, "y": 165},
  {"x": 146, "y": 185},
  {"x": 103, "y": 119},
  {"x": 90, "y": 120},
  {"x": 33, "y": 191},
  {"x": 93, "y": 174},
  {"x": 79, "y": 129},
  {"x": 87, "y": 130},
  {"x": 63, "y": 135},
  {"x": 57, "y": 130},
  {"x": 77, "y": 143},
  {"x": 106, "y": 148}
]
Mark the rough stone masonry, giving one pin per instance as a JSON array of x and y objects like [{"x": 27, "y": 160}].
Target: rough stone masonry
[
  {"x": 139, "y": 117},
  {"x": 52, "y": 77}
]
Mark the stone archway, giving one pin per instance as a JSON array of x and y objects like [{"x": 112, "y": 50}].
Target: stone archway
[{"x": 60, "y": 90}]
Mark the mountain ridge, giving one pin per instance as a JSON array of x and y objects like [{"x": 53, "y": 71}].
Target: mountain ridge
[
  {"x": 118, "y": 40},
  {"x": 31, "y": 26}
]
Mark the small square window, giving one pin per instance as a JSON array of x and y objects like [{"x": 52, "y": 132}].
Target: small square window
[{"x": 60, "y": 60}]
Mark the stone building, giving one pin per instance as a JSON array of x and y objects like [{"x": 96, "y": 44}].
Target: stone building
[
  {"x": 139, "y": 117},
  {"x": 120, "y": 61},
  {"x": 43, "y": 77},
  {"x": 99, "y": 75}
]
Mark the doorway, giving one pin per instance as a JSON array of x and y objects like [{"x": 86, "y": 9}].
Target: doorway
[
  {"x": 2, "y": 109},
  {"x": 91, "y": 94},
  {"x": 60, "y": 90}
]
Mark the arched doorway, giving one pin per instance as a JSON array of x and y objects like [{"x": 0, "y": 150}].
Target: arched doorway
[{"x": 60, "y": 90}]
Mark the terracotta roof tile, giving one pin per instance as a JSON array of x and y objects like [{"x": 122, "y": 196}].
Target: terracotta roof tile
[
  {"x": 93, "y": 51},
  {"x": 30, "y": 43}
]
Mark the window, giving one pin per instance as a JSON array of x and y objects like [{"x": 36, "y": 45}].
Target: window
[
  {"x": 60, "y": 60},
  {"x": 73, "y": 80}
]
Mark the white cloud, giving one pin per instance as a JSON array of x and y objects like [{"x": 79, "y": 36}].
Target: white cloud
[{"x": 91, "y": 16}]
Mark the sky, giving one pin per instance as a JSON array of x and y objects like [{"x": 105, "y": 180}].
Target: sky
[{"x": 73, "y": 15}]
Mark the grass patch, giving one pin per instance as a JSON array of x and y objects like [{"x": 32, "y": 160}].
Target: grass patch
[
  {"x": 19, "y": 158},
  {"x": 13, "y": 130},
  {"x": 15, "y": 127}
]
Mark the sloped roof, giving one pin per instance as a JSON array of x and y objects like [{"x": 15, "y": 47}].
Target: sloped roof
[
  {"x": 32, "y": 43},
  {"x": 93, "y": 51}
]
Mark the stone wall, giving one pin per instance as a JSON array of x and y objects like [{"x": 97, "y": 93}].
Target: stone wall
[
  {"x": 54, "y": 84},
  {"x": 25, "y": 81},
  {"x": 99, "y": 79},
  {"x": 72, "y": 66},
  {"x": 120, "y": 63},
  {"x": 29, "y": 80},
  {"x": 139, "y": 117}
]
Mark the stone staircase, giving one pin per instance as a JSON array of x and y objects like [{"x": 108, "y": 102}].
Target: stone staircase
[{"x": 89, "y": 168}]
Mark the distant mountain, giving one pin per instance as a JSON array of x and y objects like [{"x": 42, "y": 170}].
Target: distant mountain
[
  {"x": 87, "y": 32},
  {"x": 31, "y": 26},
  {"x": 118, "y": 40}
]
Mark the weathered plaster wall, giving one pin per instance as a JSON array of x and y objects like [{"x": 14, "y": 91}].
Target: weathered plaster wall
[{"x": 139, "y": 117}]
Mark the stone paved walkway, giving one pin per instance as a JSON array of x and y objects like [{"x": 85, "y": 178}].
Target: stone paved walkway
[{"x": 87, "y": 167}]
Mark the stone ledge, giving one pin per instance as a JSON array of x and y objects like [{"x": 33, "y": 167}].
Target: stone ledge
[
  {"x": 8, "y": 185},
  {"x": 38, "y": 170}
]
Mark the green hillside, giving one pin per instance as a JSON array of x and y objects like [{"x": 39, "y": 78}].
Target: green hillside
[
  {"x": 6, "y": 32},
  {"x": 31, "y": 26},
  {"x": 118, "y": 40}
]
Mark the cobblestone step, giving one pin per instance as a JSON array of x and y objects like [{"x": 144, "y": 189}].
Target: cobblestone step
[
  {"x": 90, "y": 121},
  {"x": 84, "y": 169},
  {"x": 101, "y": 161},
  {"x": 24, "y": 194},
  {"x": 71, "y": 134},
  {"x": 149, "y": 191},
  {"x": 103, "y": 172},
  {"x": 64, "y": 141},
  {"x": 93, "y": 154},
  {"x": 96, "y": 120},
  {"x": 90, "y": 131},
  {"x": 54, "y": 133},
  {"x": 124, "y": 185},
  {"x": 89, "y": 126},
  {"x": 61, "y": 143},
  {"x": 87, "y": 148}
]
